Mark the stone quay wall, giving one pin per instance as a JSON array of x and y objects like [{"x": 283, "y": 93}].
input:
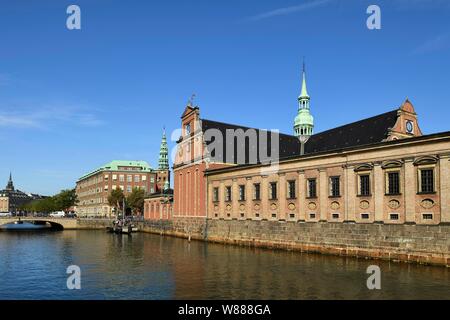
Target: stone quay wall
[
  {"x": 406, "y": 243},
  {"x": 93, "y": 224},
  {"x": 190, "y": 228},
  {"x": 395, "y": 242}
]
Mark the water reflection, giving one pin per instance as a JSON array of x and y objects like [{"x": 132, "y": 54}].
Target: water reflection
[
  {"x": 24, "y": 226},
  {"x": 33, "y": 266}
]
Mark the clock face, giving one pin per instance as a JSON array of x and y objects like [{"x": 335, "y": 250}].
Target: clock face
[{"x": 409, "y": 126}]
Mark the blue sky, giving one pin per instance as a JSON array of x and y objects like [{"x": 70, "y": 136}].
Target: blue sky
[{"x": 73, "y": 100}]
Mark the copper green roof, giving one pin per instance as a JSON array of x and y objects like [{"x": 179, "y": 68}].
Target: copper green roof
[
  {"x": 304, "y": 117},
  {"x": 304, "y": 121},
  {"x": 163, "y": 161},
  {"x": 304, "y": 92},
  {"x": 115, "y": 164}
]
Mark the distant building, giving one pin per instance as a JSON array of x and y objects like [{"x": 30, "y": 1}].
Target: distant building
[
  {"x": 163, "y": 171},
  {"x": 158, "y": 206},
  {"x": 11, "y": 199},
  {"x": 94, "y": 188}
]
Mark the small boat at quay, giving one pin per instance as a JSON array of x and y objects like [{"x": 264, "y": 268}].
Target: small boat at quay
[{"x": 122, "y": 226}]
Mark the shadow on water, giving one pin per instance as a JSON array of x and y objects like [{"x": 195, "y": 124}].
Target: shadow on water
[{"x": 38, "y": 226}]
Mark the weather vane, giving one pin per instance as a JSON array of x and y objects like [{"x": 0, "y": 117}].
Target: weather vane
[{"x": 191, "y": 100}]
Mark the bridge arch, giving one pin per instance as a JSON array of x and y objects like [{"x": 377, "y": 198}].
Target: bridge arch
[{"x": 55, "y": 224}]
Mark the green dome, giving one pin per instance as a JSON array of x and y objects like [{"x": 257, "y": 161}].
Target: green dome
[{"x": 304, "y": 118}]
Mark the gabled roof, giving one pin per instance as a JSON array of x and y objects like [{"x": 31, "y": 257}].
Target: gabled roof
[
  {"x": 188, "y": 110},
  {"x": 289, "y": 145},
  {"x": 371, "y": 130},
  {"x": 367, "y": 131}
]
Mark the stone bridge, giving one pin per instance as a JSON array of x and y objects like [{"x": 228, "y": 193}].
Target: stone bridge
[{"x": 56, "y": 223}]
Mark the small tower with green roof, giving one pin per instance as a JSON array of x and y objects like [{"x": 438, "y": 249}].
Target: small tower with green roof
[
  {"x": 163, "y": 162},
  {"x": 304, "y": 121}
]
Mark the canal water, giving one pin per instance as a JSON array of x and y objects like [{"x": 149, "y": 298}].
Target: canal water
[{"x": 33, "y": 265}]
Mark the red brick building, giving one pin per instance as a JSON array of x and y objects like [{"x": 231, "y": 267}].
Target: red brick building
[
  {"x": 158, "y": 206},
  {"x": 94, "y": 188},
  {"x": 189, "y": 167}
]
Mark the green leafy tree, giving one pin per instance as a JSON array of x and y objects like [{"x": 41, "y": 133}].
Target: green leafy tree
[
  {"x": 115, "y": 199},
  {"x": 59, "y": 202},
  {"x": 136, "y": 200},
  {"x": 65, "y": 199},
  {"x": 45, "y": 205}
]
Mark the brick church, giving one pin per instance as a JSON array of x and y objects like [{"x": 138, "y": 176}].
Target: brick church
[{"x": 377, "y": 170}]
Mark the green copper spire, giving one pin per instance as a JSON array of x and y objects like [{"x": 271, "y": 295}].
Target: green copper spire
[
  {"x": 304, "y": 121},
  {"x": 304, "y": 92},
  {"x": 163, "y": 162},
  {"x": 166, "y": 186}
]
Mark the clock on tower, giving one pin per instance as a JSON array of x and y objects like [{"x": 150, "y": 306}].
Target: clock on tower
[{"x": 409, "y": 126}]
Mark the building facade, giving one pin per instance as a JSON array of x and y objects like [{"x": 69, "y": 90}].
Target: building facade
[
  {"x": 207, "y": 145},
  {"x": 393, "y": 182},
  {"x": 12, "y": 199},
  {"x": 159, "y": 206},
  {"x": 376, "y": 188},
  {"x": 94, "y": 188},
  {"x": 189, "y": 166},
  {"x": 380, "y": 169}
]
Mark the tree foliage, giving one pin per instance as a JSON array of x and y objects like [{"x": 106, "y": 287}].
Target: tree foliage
[
  {"x": 59, "y": 202},
  {"x": 65, "y": 199},
  {"x": 115, "y": 199},
  {"x": 135, "y": 200}
]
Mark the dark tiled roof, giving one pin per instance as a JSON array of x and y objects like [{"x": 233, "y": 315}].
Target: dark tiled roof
[
  {"x": 363, "y": 132},
  {"x": 289, "y": 145},
  {"x": 367, "y": 131}
]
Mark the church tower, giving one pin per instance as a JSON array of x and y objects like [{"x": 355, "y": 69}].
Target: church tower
[
  {"x": 163, "y": 170},
  {"x": 163, "y": 162},
  {"x": 304, "y": 121},
  {"x": 10, "y": 185}
]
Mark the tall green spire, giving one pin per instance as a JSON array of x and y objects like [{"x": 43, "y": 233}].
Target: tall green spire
[
  {"x": 304, "y": 92},
  {"x": 304, "y": 121},
  {"x": 163, "y": 162}
]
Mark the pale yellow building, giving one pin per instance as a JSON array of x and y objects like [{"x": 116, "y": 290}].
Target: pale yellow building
[{"x": 4, "y": 204}]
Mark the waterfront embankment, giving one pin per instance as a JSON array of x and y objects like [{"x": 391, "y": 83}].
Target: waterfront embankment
[{"x": 393, "y": 242}]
